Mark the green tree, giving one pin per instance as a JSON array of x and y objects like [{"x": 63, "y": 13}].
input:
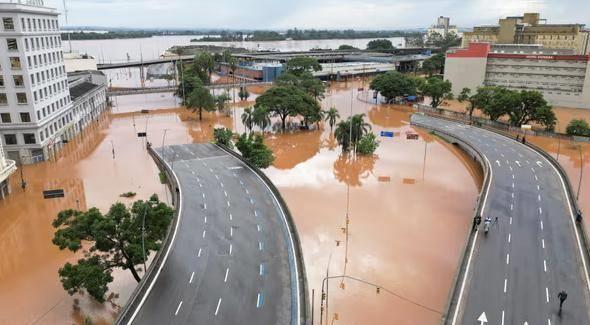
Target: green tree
[
  {"x": 202, "y": 67},
  {"x": 437, "y": 90},
  {"x": 331, "y": 116},
  {"x": 254, "y": 150},
  {"x": 499, "y": 102},
  {"x": 300, "y": 65},
  {"x": 380, "y": 45},
  {"x": 393, "y": 84},
  {"x": 304, "y": 81},
  {"x": 283, "y": 102},
  {"x": 261, "y": 117},
  {"x": 530, "y": 106},
  {"x": 466, "y": 96},
  {"x": 359, "y": 128},
  {"x": 434, "y": 64},
  {"x": 223, "y": 137},
  {"x": 201, "y": 99},
  {"x": 346, "y": 47},
  {"x": 112, "y": 240},
  {"x": 578, "y": 127},
  {"x": 446, "y": 42},
  {"x": 367, "y": 144},
  {"x": 186, "y": 86},
  {"x": 248, "y": 118},
  {"x": 221, "y": 100},
  {"x": 243, "y": 94}
]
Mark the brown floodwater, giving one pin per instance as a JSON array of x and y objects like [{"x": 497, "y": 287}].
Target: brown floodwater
[{"x": 409, "y": 210}]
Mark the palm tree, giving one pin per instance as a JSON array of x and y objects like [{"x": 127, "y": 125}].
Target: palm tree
[
  {"x": 331, "y": 116},
  {"x": 261, "y": 117},
  {"x": 343, "y": 131},
  {"x": 248, "y": 119}
]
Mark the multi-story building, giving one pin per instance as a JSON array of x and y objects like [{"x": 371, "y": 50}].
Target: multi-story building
[
  {"x": 88, "y": 92},
  {"x": 7, "y": 167},
  {"x": 531, "y": 29},
  {"x": 443, "y": 27},
  {"x": 562, "y": 76},
  {"x": 35, "y": 104}
]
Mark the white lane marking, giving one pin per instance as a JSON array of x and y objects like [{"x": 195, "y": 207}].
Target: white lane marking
[
  {"x": 199, "y": 254},
  {"x": 547, "y": 293},
  {"x": 541, "y": 225},
  {"x": 498, "y": 162},
  {"x": 505, "y": 285},
  {"x": 538, "y": 187},
  {"x": 548, "y": 321},
  {"x": 203, "y": 195},
  {"x": 204, "y": 206},
  {"x": 247, "y": 192},
  {"x": 231, "y": 231},
  {"x": 545, "y": 265},
  {"x": 204, "y": 232},
  {"x": 259, "y": 300},
  {"x": 225, "y": 193},
  {"x": 200, "y": 185},
  {"x": 193, "y": 172},
  {"x": 513, "y": 195},
  {"x": 512, "y": 185},
  {"x": 228, "y": 203},
  {"x": 533, "y": 169},
  {"x": 511, "y": 207},
  {"x": 258, "y": 228},
  {"x": 216, "y": 176},
  {"x": 540, "y": 164},
  {"x": 536, "y": 178},
  {"x": 230, "y": 249},
  {"x": 251, "y": 201},
  {"x": 509, "y": 238},
  {"x": 178, "y": 308},
  {"x": 261, "y": 270},
  {"x": 217, "y": 309},
  {"x": 192, "y": 276},
  {"x": 512, "y": 176},
  {"x": 510, "y": 220},
  {"x": 234, "y": 168},
  {"x": 502, "y": 317},
  {"x": 507, "y": 259},
  {"x": 255, "y": 213},
  {"x": 510, "y": 168},
  {"x": 210, "y": 169},
  {"x": 260, "y": 246},
  {"x": 241, "y": 183},
  {"x": 540, "y": 210},
  {"x": 543, "y": 243},
  {"x": 518, "y": 163},
  {"x": 502, "y": 155},
  {"x": 231, "y": 217},
  {"x": 539, "y": 197},
  {"x": 226, "y": 273},
  {"x": 205, "y": 219},
  {"x": 221, "y": 183}
]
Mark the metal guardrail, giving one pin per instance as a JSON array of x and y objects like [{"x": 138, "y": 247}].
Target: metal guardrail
[
  {"x": 460, "y": 274},
  {"x": 135, "y": 298},
  {"x": 303, "y": 295}
]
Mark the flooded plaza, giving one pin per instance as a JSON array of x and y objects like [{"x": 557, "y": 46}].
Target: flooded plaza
[{"x": 397, "y": 220}]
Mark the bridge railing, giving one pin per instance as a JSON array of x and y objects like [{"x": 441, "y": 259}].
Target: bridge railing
[
  {"x": 454, "y": 293},
  {"x": 130, "y": 309}
]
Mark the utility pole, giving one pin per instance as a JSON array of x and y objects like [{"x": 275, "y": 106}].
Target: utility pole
[
  {"x": 581, "y": 171},
  {"x": 113, "y": 147},
  {"x": 67, "y": 23}
]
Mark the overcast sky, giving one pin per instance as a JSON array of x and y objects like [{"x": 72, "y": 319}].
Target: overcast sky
[{"x": 331, "y": 14}]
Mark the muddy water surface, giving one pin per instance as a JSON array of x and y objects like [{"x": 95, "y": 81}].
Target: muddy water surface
[{"x": 409, "y": 208}]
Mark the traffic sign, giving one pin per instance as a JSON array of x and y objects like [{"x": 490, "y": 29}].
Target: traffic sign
[
  {"x": 387, "y": 134},
  {"x": 142, "y": 134},
  {"x": 412, "y": 136}
]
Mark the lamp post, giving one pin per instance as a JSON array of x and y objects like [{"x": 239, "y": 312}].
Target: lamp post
[{"x": 581, "y": 172}]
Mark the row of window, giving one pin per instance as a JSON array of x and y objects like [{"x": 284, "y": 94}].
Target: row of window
[
  {"x": 18, "y": 81},
  {"x": 44, "y": 59},
  {"x": 28, "y": 138},
  {"x": 7, "y": 118},
  {"x": 537, "y": 76},
  {"x": 50, "y": 90},
  {"x": 21, "y": 99},
  {"x": 48, "y": 75},
  {"x": 31, "y": 24},
  {"x": 41, "y": 43},
  {"x": 52, "y": 108}
]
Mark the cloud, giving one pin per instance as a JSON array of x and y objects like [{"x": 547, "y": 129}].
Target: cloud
[{"x": 273, "y": 14}]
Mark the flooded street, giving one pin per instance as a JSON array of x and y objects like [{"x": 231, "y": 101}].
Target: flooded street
[{"x": 409, "y": 210}]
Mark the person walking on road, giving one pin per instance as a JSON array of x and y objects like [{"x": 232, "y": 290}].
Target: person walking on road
[
  {"x": 562, "y": 296},
  {"x": 476, "y": 222}
]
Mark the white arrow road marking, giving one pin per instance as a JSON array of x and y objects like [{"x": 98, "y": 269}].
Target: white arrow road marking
[
  {"x": 482, "y": 318},
  {"x": 498, "y": 162},
  {"x": 518, "y": 163}
]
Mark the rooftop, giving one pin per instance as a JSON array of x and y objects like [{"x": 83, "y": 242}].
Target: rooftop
[{"x": 81, "y": 89}]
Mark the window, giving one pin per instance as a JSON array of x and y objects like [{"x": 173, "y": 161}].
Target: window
[
  {"x": 5, "y": 118},
  {"x": 18, "y": 81},
  {"x": 25, "y": 117},
  {"x": 3, "y": 99},
  {"x": 15, "y": 63},
  {"x": 1, "y": 81},
  {"x": 29, "y": 138},
  {"x": 21, "y": 98},
  {"x": 8, "y": 23},
  {"x": 12, "y": 44}
]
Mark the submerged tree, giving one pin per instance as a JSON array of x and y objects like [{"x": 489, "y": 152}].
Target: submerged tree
[
  {"x": 201, "y": 99},
  {"x": 331, "y": 116},
  {"x": 110, "y": 240}
]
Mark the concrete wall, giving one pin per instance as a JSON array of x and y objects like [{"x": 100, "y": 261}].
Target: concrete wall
[{"x": 465, "y": 72}]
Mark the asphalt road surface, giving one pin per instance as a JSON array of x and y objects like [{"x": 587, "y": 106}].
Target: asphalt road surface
[
  {"x": 230, "y": 262},
  {"x": 532, "y": 252}
]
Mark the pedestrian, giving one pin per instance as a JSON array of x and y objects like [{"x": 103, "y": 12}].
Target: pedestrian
[
  {"x": 517, "y": 137},
  {"x": 496, "y": 220},
  {"x": 476, "y": 222},
  {"x": 562, "y": 297},
  {"x": 523, "y": 139}
]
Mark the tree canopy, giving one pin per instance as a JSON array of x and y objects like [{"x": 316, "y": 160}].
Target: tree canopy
[
  {"x": 578, "y": 127},
  {"x": 360, "y": 133},
  {"x": 446, "y": 42},
  {"x": 223, "y": 137},
  {"x": 346, "y": 47},
  {"x": 437, "y": 90},
  {"x": 254, "y": 150},
  {"x": 111, "y": 240},
  {"x": 300, "y": 65},
  {"x": 283, "y": 102},
  {"x": 201, "y": 99},
  {"x": 434, "y": 64},
  {"x": 380, "y": 45},
  {"x": 393, "y": 84}
]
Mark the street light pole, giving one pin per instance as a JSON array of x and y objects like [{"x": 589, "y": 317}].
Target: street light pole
[{"x": 581, "y": 171}]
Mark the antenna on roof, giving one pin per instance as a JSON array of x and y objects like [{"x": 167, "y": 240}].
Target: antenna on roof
[{"x": 67, "y": 23}]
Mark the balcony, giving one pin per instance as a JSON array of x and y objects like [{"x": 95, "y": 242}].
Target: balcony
[{"x": 8, "y": 170}]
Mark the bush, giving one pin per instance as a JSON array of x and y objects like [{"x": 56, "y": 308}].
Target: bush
[
  {"x": 367, "y": 144},
  {"x": 254, "y": 150},
  {"x": 578, "y": 127},
  {"x": 223, "y": 137}
]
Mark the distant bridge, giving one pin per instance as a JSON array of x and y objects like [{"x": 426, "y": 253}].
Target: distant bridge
[
  {"x": 168, "y": 89},
  {"x": 133, "y": 64}
]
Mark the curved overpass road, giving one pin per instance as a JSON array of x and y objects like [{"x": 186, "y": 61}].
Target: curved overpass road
[
  {"x": 230, "y": 262},
  {"x": 532, "y": 252}
]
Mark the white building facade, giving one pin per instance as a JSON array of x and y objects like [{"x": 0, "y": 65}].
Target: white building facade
[
  {"x": 88, "y": 92},
  {"x": 35, "y": 105},
  {"x": 7, "y": 167},
  {"x": 443, "y": 27},
  {"x": 560, "y": 75}
]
